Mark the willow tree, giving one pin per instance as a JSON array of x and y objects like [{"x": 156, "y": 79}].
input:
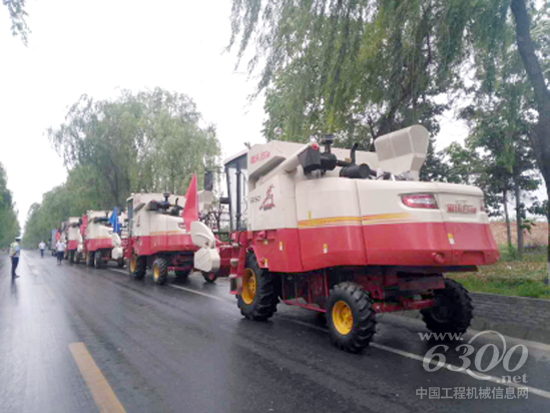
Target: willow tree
[
  {"x": 358, "y": 67},
  {"x": 18, "y": 15},
  {"x": 365, "y": 67},
  {"x": 152, "y": 141}
]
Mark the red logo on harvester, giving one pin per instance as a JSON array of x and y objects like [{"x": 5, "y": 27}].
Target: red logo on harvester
[
  {"x": 268, "y": 202},
  {"x": 259, "y": 157}
]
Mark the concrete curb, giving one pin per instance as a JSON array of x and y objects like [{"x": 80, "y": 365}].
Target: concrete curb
[{"x": 519, "y": 317}]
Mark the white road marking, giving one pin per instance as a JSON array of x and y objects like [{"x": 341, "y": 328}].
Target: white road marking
[
  {"x": 412, "y": 356},
  {"x": 200, "y": 293}
]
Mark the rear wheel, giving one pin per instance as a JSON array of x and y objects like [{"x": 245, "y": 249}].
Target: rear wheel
[
  {"x": 98, "y": 260},
  {"x": 210, "y": 277},
  {"x": 160, "y": 271},
  {"x": 258, "y": 299},
  {"x": 90, "y": 259},
  {"x": 350, "y": 317},
  {"x": 120, "y": 262},
  {"x": 452, "y": 310}
]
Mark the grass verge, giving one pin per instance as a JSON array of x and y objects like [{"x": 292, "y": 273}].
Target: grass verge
[{"x": 510, "y": 276}]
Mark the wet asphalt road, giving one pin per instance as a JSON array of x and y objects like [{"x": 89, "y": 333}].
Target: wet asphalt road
[{"x": 185, "y": 348}]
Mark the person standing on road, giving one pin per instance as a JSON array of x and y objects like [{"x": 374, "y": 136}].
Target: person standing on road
[
  {"x": 15, "y": 251},
  {"x": 60, "y": 247},
  {"x": 42, "y": 247}
]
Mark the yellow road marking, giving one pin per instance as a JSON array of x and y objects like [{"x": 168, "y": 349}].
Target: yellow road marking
[{"x": 103, "y": 394}]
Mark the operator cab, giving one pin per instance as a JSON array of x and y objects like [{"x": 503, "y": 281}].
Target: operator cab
[{"x": 236, "y": 171}]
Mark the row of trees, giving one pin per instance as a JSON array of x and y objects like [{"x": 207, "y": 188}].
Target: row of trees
[
  {"x": 151, "y": 141},
  {"x": 9, "y": 225},
  {"x": 362, "y": 68}
]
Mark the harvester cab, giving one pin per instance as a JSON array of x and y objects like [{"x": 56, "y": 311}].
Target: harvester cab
[
  {"x": 314, "y": 224},
  {"x": 160, "y": 238}
]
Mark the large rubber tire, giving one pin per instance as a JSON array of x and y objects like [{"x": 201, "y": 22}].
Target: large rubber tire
[
  {"x": 452, "y": 311},
  {"x": 160, "y": 271},
  {"x": 90, "y": 259},
  {"x": 350, "y": 317},
  {"x": 210, "y": 277},
  {"x": 98, "y": 260},
  {"x": 120, "y": 263},
  {"x": 71, "y": 256},
  {"x": 137, "y": 267},
  {"x": 258, "y": 301}
]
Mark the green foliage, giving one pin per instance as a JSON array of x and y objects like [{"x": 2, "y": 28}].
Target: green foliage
[
  {"x": 152, "y": 141},
  {"x": 9, "y": 225},
  {"x": 358, "y": 67},
  {"x": 16, "y": 9}
]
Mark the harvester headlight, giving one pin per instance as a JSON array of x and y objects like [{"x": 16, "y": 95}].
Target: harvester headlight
[{"x": 423, "y": 201}]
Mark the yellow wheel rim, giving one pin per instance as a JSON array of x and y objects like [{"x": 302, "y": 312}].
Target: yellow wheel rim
[
  {"x": 156, "y": 273},
  {"x": 342, "y": 317},
  {"x": 133, "y": 264},
  {"x": 249, "y": 286}
]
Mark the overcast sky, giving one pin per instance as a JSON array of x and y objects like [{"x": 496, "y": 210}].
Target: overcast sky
[{"x": 99, "y": 47}]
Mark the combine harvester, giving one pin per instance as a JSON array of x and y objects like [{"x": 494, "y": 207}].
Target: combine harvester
[
  {"x": 75, "y": 245},
  {"x": 166, "y": 236},
  {"x": 101, "y": 243},
  {"x": 353, "y": 234}
]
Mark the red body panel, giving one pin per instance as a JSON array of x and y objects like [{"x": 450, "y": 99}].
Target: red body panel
[
  {"x": 281, "y": 248},
  {"x": 403, "y": 244},
  {"x": 72, "y": 245},
  {"x": 153, "y": 244},
  {"x": 93, "y": 245}
]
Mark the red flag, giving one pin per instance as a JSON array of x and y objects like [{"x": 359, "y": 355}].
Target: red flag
[{"x": 191, "y": 209}]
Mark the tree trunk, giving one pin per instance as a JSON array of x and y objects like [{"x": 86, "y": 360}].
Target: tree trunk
[
  {"x": 541, "y": 138},
  {"x": 519, "y": 219},
  {"x": 507, "y": 217}
]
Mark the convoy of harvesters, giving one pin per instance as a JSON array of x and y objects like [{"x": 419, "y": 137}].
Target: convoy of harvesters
[{"x": 343, "y": 232}]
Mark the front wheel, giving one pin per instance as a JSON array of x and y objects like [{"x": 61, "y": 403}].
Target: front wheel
[
  {"x": 137, "y": 267},
  {"x": 90, "y": 259},
  {"x": 258, "y": 298},
  {"x": 350, "y": 317},
  {"x": 452, "y": 309},
  {"x": 160, "y": 271},
  {"x": 98, "y": 260},
  {"x": 71, "y": 257},
  {"x": 120, "y": 263},
  {"x": 210, "y": 277}
]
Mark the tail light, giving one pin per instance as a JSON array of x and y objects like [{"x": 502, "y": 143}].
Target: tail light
[{"x": 423, "y": 201}]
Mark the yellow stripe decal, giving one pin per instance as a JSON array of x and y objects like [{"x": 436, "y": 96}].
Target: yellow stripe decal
[
  {"x": 387, "y": 217},
  {"x": 166, "y": 232},
  {"x": 103, "y": 394},
  {"x": 321, "y": 222},
  {"x": 353, "y": 221}
]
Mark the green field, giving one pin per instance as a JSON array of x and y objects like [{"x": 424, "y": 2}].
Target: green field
[{"x": 510, "y": 276}]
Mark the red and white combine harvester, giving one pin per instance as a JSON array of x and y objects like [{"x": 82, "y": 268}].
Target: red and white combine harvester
[
  {"x": 74, "y": 239},
  {"x": 101, "y": 244},
  {"x": 165, "y": 234},
  {"x": 353, "y": 234}
]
